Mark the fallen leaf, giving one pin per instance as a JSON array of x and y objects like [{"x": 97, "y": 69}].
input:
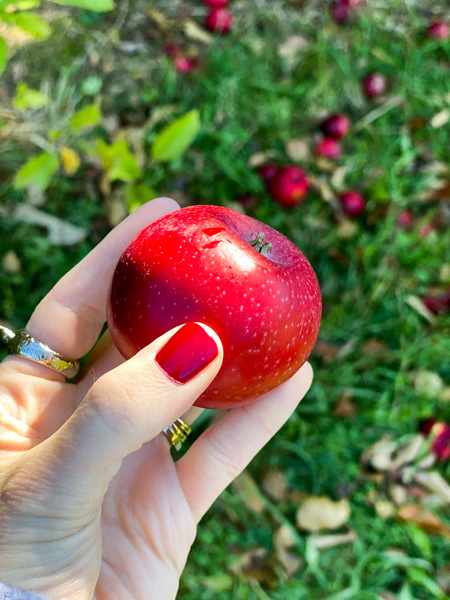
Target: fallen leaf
[
  {"x": 416, "y": 303},
  {"x": 59, "y": 232},
  {"x": 319, "y": 513},
  {"x": 254, "y": 565},
  {"x": 374, "y": 348},
  {"x": 297, "y": 150},
  {"x": 159, "y": 19},
  {"x": 11, "y": 262},
  {"x": 424, "y": 518},
  {"x": 275, "y": 485},
  {"x": 193, "y": 31},
  {"x": 327, "y": 352},
  {"x": 329, "y": 541},
  {"x": 347, "y": 229},
  {"x": 434, "y": 483},
  {"x": 260, "y": 158},
  {"x": 441, "y": 194},
  {"x": 248, "y": 492},
  {"x": 440, "y": 119},
  {"x": 443, "y": 579},
  {"x": 284, "y": 541},
  {"x": 428, "y": 384},
  {"x": 291, "y": 49},
  {"x": 384, "y": 509},
  {"x": 344, "y": 406}
]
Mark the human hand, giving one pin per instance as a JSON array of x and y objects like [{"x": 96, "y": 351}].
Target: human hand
[{"x": 92, "y": 503}]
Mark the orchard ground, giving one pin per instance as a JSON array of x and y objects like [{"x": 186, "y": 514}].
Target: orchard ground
[{"x": 381, "y": 364}]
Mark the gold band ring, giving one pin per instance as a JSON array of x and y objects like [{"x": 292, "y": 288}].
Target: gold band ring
[
  {"x": 21, "y": 343},
  {"x": 177, "y": 433}
]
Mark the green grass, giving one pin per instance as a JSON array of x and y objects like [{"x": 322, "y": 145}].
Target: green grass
[{"x": 252, "y": 100}]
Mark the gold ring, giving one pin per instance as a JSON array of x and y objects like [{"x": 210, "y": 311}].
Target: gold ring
[
  {"x": 21, "y": 343},
  {"x": 177, "y": 433}
]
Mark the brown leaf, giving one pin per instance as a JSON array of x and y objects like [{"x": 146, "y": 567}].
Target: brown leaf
[
  {"x": 442, "y": 194},
  {"x": 374, "y": 348},
  {"x": 327, "y": 352},
  {"x": 159, "y": 19},
  {"x": 254, "y": 565},
  {"x": 284, "y": 541},
  {"x": 249, "y": 494},
  {"x": 318, "y": 513},
  {"x": 344, "y": 406},
  {"x": 443, "y": 579},
  {"x": 434, "y": 483},
  {"x": 424, "y": 518},
  {"x": 297, "y": 150},
  {"x": 275, "y": 485}
]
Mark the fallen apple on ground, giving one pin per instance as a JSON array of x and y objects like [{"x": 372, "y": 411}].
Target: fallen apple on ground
[
  {"x": 288, "y": 186},
  {"x": 216, "y": 266}
]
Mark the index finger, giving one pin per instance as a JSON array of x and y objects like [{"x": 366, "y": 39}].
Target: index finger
[{"x": 70, "y": 318}]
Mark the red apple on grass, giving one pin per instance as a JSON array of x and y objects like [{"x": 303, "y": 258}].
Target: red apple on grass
[
  {"x": 439, "y": 30},
  {"x": 328, "y": 148},
  {"x": 336, "y": 126},
  {"x": 340, "y": 11},
  {"x": 219, "y": 20},
  {"x": 288, "y": 186},
  {"x": 374, "y": 85},
  {"x": 215, "y": 3},
  {"x": 353, "y": 204},
  {"x": 213, "y": 265},
  {"x": 441, "y": 437},
  {"x": 440, "y": 304},
  {"x": 267, "y": 171}
]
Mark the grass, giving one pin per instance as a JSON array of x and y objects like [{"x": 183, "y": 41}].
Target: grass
[{"x": 253, "y": 100}]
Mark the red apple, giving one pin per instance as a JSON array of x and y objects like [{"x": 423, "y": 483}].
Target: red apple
[
  {"x": 440, "y": 304},
  {"x": 288, "y": 186},
  {"x": 353, "y": 204},
  {"x": 172, "y": 50},
  {"x": 266, "y": 172},
  {"x": 441, "y": 437},
  {"x": 213, "y": 265},
  {"x": 405, "y": 220},
  {"x": 439, "y": 30},
  {"x": 340, "y": 11},
  {"x": 336, "y": 126},
  {"x": 215, "y": 3},
  {"x": 328, "y": 148},
  {"x": 184, "y": 64},
  {"x": 374, "y": 85},
  {"x": 219, "y": 20}
]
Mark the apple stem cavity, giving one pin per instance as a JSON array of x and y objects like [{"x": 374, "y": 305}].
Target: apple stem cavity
[{"x": 257, "y": 242}]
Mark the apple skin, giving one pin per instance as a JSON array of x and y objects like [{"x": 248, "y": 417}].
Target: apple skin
[
  {"x": 353, "y": 204},
  {"x": 340, "y": 11},
  {"x": 215, "y": 3},
  {"x": 439, "y": 30},
  {"x": 219, "y": 20},
  {"x": 328, "y": 148},
  {"x": 441, "y": 433},
  {"x": 267, "y": 171},
  {"x": 374, "y": 85},
  {"x": 196, "y": 264},
  {"x": 288, "y": 186},
  {"x": 336, "y": 126}
]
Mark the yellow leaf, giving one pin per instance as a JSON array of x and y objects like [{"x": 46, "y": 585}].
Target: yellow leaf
[
  {"x": 319, "y": 513},
  {"x": 70, "y": 160}
]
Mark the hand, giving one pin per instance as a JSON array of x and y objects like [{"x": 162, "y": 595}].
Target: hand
[{"x": 92, "y": 503}]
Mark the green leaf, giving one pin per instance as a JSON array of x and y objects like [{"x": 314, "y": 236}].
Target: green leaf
[
  {"x": 421, "y": 578},
  {"x": 118, "y": 161},
  {"x": 37, "y": 172},
  {"x": 138, "y": 194},
  {"x": 95, "y": 5},
  {"x": 3, "y": 55},
  {"x": 89, "y": 116},
  {"x": 27, "y": 98},
  {"x": 32, "y": 24},
  {"x": 176, "y": 137}
]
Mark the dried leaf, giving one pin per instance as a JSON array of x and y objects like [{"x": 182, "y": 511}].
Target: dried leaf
[
  {"x": 284, "y": 541},
  {"x": 424, "y": 518},
  {"x": 159, "y": 19},
  {"x": 327, "y": 352},
  {"x": 193, "y": 31},
  {"x": 275, "y": 485},
  {"x": 416, "y": 303},
  {"x": 385, "y": 509},
  {"x": 319, "y": 513},
  {"x": 297, "y": 150},
  {"x": 249, "y": 494},
  {"x": 11, "y": 262},
  {"x": 259, "y": 158},
  {"x": 374, "y": 348},
  {"x": 380, "y": 454},
  {"x": 254, "y": 565},
  {"x": 347, "y": 229},
  {"x": 428, "y": 384},
  {"x": 291, "y": 48},
  {"x": 441, "y": 118},
  {"x": 443, "y": 579},
  {"x": 59, "y": 232},
  {"x": 329, "y": 541},
  {"x": 442, "y": 193},
  {"x": 435, "y": 484},
  {"x": 344, "y": 406}
]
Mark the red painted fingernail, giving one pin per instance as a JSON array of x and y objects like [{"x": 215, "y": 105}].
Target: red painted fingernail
[{"x": 187, "y": 353}]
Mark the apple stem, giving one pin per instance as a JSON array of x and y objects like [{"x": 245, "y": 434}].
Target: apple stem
[{"x": 257, "y": 242}]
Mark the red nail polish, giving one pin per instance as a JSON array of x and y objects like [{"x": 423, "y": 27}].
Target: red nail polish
[{"x": 187, "y": 353}]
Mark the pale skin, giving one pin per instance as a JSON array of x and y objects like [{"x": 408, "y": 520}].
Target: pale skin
[{"x": 93, "y": 504}]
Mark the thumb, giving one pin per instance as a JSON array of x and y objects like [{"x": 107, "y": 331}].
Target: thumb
[{"x": 129, "y": 406}]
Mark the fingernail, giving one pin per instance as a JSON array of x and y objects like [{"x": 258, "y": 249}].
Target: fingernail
[{"x": 187, "y": 353}]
